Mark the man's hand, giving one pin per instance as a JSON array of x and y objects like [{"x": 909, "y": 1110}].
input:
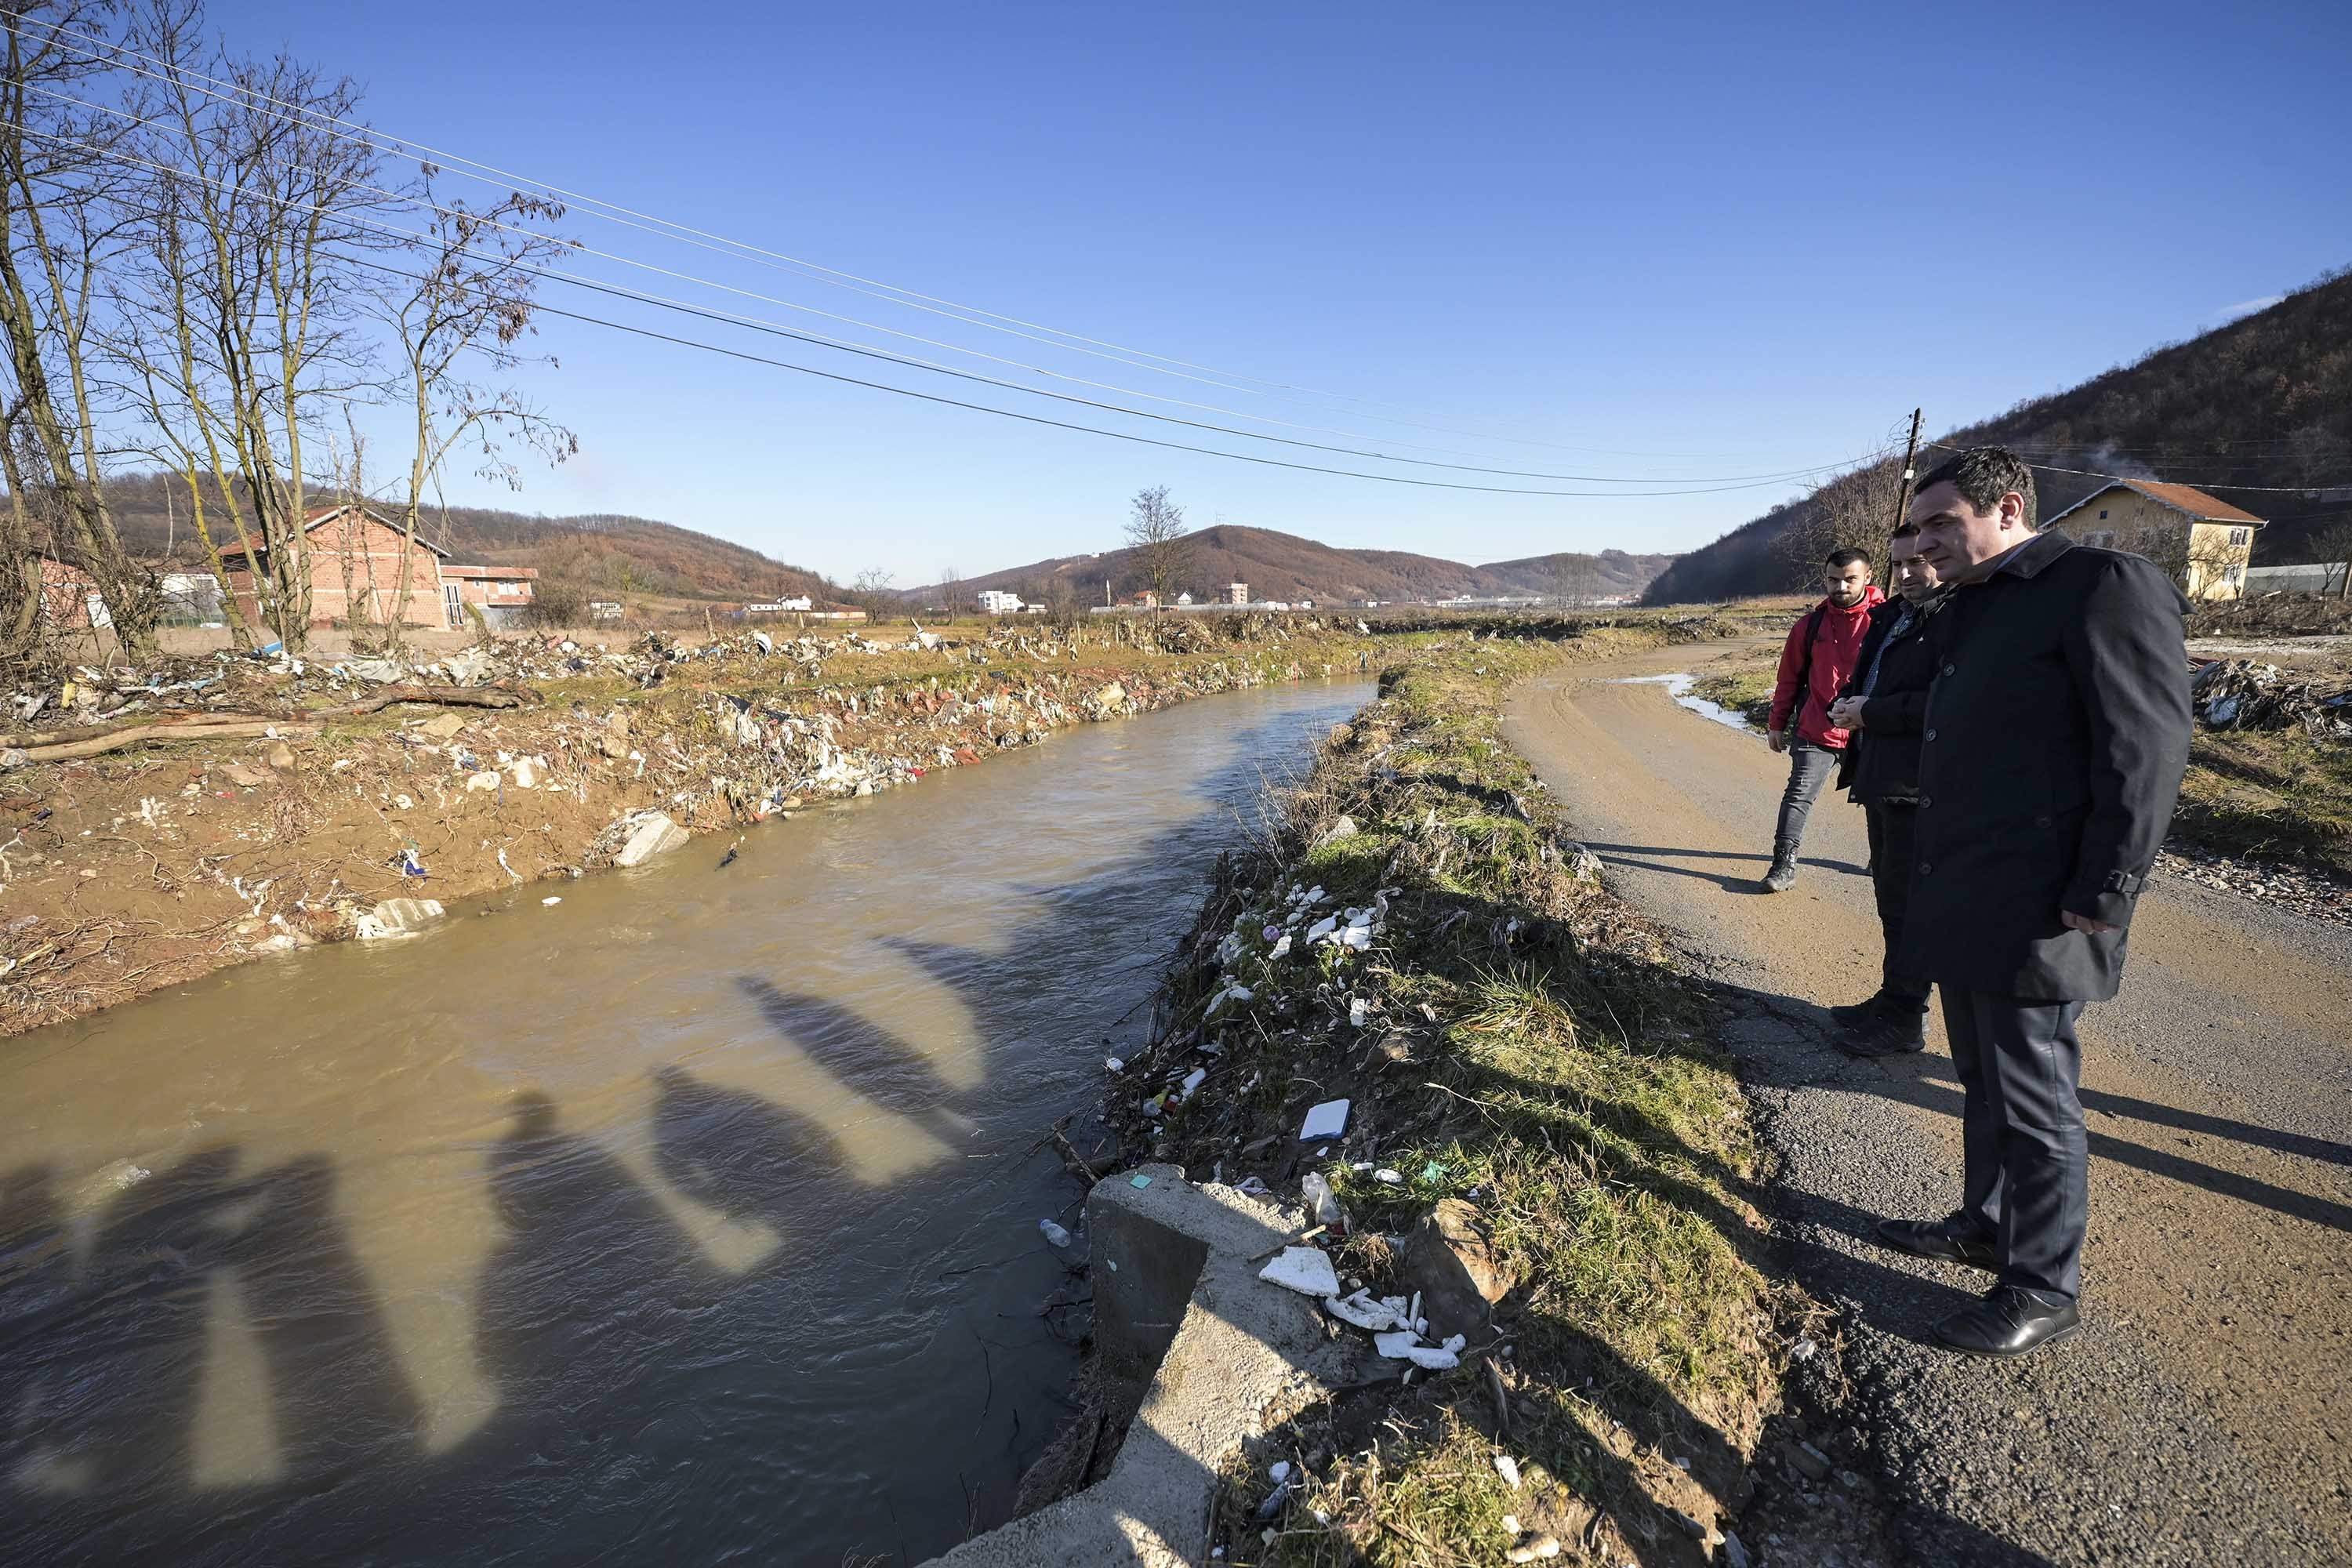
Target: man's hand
[
  {"x": 2085, "y": 924},
  {"x": 1846, "y": 712},
  {"x": 1777, "y": 739}
]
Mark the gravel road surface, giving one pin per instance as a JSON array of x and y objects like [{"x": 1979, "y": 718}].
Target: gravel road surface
[{"x": 2204, "y": 1415}]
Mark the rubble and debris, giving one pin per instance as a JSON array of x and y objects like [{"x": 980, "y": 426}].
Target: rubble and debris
[
  {"x": 1306, "y": 1269},
  {"x": 2245, "y": 694},
  {"x": 397, "y": 918},
  {"x": 650, "y": 833}
]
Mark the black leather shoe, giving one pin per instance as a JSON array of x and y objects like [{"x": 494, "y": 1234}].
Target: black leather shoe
[
  {"x": 1945, "y": 1240},
  {"x": 1887, "y": 1035},
  {"x": 1782, "y": 876},
  {"x": 2012, "y": 1321}
]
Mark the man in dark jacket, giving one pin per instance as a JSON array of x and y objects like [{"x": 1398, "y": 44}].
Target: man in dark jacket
[
  {"x": 1881, "y": 708},
  {"x": 2054, "y": 741},
  {"x": 1815, "y": 659}
]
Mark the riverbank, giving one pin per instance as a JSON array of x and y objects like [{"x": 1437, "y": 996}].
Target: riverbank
[
  {"x": 150, "y": 865},
  {"x": 1532, "y": 1109}
]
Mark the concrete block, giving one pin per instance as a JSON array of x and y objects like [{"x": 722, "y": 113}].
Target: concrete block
[
  {"x": 657, "y": 834},
  {"x": 1179, "y": 1309}
]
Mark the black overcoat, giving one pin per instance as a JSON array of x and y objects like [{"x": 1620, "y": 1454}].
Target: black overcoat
[
  {"x": 2051, "y": 749},
  {"x": 1883, "y": 756}
]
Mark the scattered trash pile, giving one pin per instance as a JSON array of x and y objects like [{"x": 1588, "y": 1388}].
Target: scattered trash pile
[
  {"x": 2244, "y": 694},
  {"x": 1370, "y": 1021}
]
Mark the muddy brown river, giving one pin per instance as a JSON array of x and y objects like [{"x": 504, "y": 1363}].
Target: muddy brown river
[{"x": 690, "y": 1220}]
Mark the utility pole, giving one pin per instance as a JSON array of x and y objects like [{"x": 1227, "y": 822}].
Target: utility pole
[{"x": 1910, "y": 470}]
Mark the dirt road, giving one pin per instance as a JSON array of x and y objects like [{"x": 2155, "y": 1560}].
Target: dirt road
[{"x": 2205, "y": 1414}]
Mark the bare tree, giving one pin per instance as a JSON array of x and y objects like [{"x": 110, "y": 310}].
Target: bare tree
[
  {"x": 2332, "y": 544},
  {"x": 1576, "y": 580},
  {"x": 1855, "y": 511},
  {"x": 465, "y": 299},
  {"x": 60, "y": 223},
  {"x": 870, "y": 592},
  {"x": 1061, "y": 601},
  {"x": 951, "y": 589},
  {"x": 245, "y": 330},
  {"x": 1155, "y": 527}
]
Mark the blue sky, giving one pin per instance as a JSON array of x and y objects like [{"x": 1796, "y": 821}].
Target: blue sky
[{"x": 1693, "y": 240}]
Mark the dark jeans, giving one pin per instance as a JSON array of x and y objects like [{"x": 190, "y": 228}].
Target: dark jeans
[
  {"x": 2028, "y": 1160},
  {"x": 1810, "y": 767},
  {"x": 1893, "y": 827}
]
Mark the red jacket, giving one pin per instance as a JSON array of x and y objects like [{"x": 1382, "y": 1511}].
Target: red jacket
[{"x": 1834, "y": 644}]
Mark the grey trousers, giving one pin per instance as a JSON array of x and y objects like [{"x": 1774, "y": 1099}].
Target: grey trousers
[
  {"x": 2027, "y": 1158},
  {"x": 1810, "y": 767}
]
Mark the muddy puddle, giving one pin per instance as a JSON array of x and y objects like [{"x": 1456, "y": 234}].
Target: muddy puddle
[{"x": 691, "y": 1218}]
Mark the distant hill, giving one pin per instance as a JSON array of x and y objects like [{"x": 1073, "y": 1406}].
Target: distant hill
[
  {"x": 1285, "y": 566},
  {"x": 2264, "y": 401},
  {"x": 603, "y": 551}
]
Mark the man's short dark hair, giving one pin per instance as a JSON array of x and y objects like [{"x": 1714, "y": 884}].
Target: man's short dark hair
[
  {"x": 1843, "y": 557},
  {"x": 1983, "y": 474},
  {"x": 1906, "y": 529}
]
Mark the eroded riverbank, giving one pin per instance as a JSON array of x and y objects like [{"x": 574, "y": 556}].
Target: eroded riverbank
[
  {"x": 693, "y": 1216},
  {"x": 125, "y": 872}
]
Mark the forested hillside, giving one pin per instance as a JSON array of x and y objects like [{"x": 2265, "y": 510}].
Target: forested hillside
[
  {"x": 2265, "y": 401},
  {"x": 1285, "y": 566}
]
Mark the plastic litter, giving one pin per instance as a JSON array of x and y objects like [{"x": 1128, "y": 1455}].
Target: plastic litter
[
  {"x": 1304, "y": 1270},
  {"x": 551, "y": 900},
  {"x": 1138, "y": 1182},
  {"x": 1318, "y": 1193},
  {"x": 1361, "y": 1309},
  {"x": 1192, "y": 1080},
  {"x": 1388, "y": 1178},
  {"x": 1404, "y": 1344},
  {"x": 1508, "y": 1469},
  {"x": 1328, "y": 1119},
  {"x": 1054, "y": 1234},
  {"x": 1113, "y": 1064}
]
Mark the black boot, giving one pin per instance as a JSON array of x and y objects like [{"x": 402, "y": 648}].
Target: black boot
[
  {"x": 1783, "y": 874},
  {"x": 1851, "y": 1015},
  {"x": 1890, "y": 1031}
]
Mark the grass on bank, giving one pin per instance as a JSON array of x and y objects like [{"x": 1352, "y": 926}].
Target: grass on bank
[{"x": 1525, "y": 1048}]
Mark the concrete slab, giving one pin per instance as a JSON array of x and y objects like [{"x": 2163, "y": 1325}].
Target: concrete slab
[{"x": 1178, "y": 1307}]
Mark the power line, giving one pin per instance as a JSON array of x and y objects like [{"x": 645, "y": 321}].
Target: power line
[
  {"x": 850, "y": 346},
  {"x": 1733, "y": 481},
  {"x": 670, "y": 228},
  {"x": 1085, "y": 429}
]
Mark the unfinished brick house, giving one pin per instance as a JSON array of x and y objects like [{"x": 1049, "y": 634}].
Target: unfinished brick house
[{"x": 355, "y": 572}]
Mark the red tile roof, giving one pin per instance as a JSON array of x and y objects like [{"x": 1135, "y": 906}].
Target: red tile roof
[{"x": 2184, "y": 499}]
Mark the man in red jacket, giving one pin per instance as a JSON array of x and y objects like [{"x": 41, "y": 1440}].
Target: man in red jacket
[{"x": 1814, "y": 663}]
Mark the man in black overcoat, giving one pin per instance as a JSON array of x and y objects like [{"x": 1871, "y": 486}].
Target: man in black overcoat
[
  {"x": 2054, "y": 739},
  {"x": 1884, "y": 709}
]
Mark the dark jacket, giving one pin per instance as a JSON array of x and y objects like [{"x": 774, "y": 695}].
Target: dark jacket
[
  {"x": 1883, "y": 756},
  {"x": 2055, "y": 735},
  {"x": 1815, "y": 659}
]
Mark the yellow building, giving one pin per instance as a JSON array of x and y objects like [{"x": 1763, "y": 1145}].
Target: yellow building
[{"x": 2206, "y": 544}]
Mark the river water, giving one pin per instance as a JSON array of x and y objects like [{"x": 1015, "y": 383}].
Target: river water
[{"x": 692, "y": 1219}]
